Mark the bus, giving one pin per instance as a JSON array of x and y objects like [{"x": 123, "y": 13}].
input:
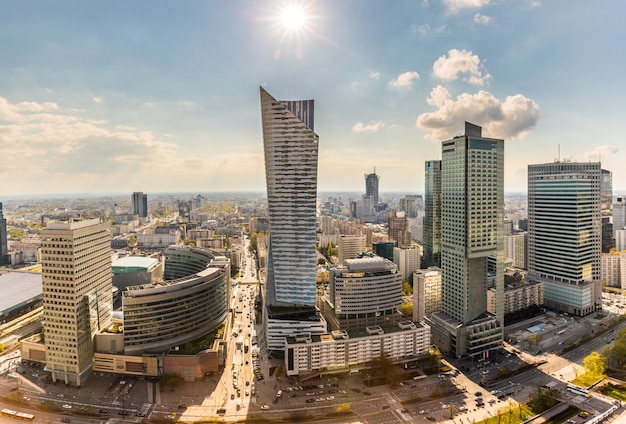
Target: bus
[
  {"x": 578, "y": 390},
  {"x": 17, "y": 415},
  {"x": 246, "y": 346}
]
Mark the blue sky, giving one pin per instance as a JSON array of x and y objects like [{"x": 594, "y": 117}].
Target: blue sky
[{"x": 158, "y": 96}]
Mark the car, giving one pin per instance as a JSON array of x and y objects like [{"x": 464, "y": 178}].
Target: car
[
  {"x": 478, "y": 394},
  {"x": 65, "y": 420},
  {"x": 247, "y": 392},
  {"x": 232, "y": 396},
  {"x": 431, "y": 418},
  {"x": 310, "y": 400},
  {"x": 422, "y": 412},
  {"x": 66, "y": 406},
  {"x": 123, "y": 412},
  {"x": 265, "y": 407},
  {"x": 445, "y": 406},
  {"x": 491, "y": 400},
  {"x": 247, "y": 383},
  {"x": 571, "y": 421},
  {"x": 103, "y": 411},
  {"x": 462, "y": 409},
  {"x": 26, "y": 398},
  {"x": 330, "y": 398}
]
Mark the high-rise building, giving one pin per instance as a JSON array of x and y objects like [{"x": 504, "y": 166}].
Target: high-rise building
[
  {"x": 516, "y": 249},
  {"x": 409, "y": 205},
  {"x": 606, "y": 209},
  {"x": 472, "y": 209},
  {"x": 564, "y": 234},
  {"x": 407, "y": 260},
  {"x": 371, "y": 186},
  {"x": 426, "y": 292},
  {"x": 291, "y": 150},
  {"x": 4, "y": 239},
  {"x": 432, "y": 214},
  {"x": 398, "y": 229},
  {"x": 77, "y": 294},
  {"x": 384, "y": 249},
  {"x": 140, "y": 204}
]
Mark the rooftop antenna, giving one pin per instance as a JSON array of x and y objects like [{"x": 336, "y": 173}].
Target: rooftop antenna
[{"x": 559, "y": 153}]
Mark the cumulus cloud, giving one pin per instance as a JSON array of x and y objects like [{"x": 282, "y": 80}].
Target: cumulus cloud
[
  {"x": 514, "y": 117},
  {"x": 601, "y": 152},
  {"x": 404, "y": 80},
  {"x": 371, "y": 127},
  {"x": 458, "y": 62},
  {"x": 482, "y": 19},
  {"x": 98, "y": 99},
  {"x": 425, "y": 29},
  {"x": 374, "y": 75},
  {"x": 455, "y": 6}
]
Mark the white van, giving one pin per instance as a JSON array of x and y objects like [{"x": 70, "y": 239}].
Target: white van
[{"x": 279, "y": 393}]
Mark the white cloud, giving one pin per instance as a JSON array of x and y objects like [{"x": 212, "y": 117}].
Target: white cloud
[
  {"x": 514, "y": 117},
  {"x": 600, "y": 152},
  {"x": 98, "y": 99},
  {"x": 374, "y": 75},
  {"x": 425, "y": 29},
  {"x": 372, "y": 127},
  {"x": 454, "y": 6},
  {"x": 458, "y": 62},
  {"x": 404, "y": 80},
  {"x": 482, "y": 19}
]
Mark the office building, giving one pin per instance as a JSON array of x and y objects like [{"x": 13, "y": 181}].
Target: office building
[
  {"x": 619, "y": 215},
  {"x": 398, "y": 229},
  {"x": 371, "y": 187},
  {"x": 140, "y": 204},
  {"x": 426, "y": 292},
  {"x": 77, "y": 294},
  {"x": 516, "y": 249},
  {"x": 4, "y": 240},
  {"x": 410, "y": 204},
  {"x": 349, "y": 247},
  {"x": 432, "y": 214},
  {"x": 517, "y": 297},
  {"x": 564, "y": 234},
  {"x": 606, "y": 209},
  {"x": 366, "y": 291},
  {"x": 472, "y": 208},
  {"x": 384, "y": 249},
  {"x": 408, "y": 261},
  {"x": 291, "y": 151},
  {"x": 614, "y": 269},
  {"x": 620, "y": 240}
]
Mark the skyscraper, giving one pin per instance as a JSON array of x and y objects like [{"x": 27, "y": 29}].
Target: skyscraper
[
  {"x": 398, "y": 229},
  {"x": 291, "y": 150},
  {"x": 371, "y": 186},
  {"x": 472, "y": 208},
  {"x": 432, "y": 214},
  {"x": 564, "y": 234},
  {"x": 606, "y": 209},
  {"x": 4, "y": 239},
  {"x": 140, "y": 204},
  {"x": 77, "y": 294}
]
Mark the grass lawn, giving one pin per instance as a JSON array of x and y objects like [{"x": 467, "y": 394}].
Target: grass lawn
[
  {"x": 587, "y": 379},
  {"x": 514, "y": 415},
  {"x": 616, "y": 392}
]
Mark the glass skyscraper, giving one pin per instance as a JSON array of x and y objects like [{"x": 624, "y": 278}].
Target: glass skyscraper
[
  {"x": 291, "y": 147},
  {"x": 564, "y": 234},
  {"x": 432, "y": 214}
]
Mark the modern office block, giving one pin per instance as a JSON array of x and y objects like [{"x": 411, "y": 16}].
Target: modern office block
[
  {"x": 140, "y": 204},
  {"x": 432, "y": 214},
  {"x": 349, "y": 246},
  {"x": 426, "y": 292},
  {"x": 564, "y": 234},
  {"x": 77, "y": 294},
  {"x": 291, "y": 150},
  {"x": 4, "y": 242},
  {"x": 371, "y": 186},
  {"x": 472, "y": 208},
  {"x": 398, "y": 229},
  {"x": 408, "y": 261}
]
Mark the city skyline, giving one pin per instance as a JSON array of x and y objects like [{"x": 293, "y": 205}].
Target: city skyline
[{"x": 162, "y": 97}]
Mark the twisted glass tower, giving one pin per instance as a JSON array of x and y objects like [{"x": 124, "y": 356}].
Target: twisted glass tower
[{"x": 290, "y": 147}]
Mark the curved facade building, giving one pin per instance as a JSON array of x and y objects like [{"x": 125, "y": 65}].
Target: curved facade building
[{"x": 162, "y": 315}]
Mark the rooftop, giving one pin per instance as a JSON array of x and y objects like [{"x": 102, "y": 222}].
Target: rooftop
[
  {"x": 135, "y": 262},
  {"x": 18, "y": 288}
]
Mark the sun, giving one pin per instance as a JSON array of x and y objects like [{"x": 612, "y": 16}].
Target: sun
[{"x": 293, "y": 18}]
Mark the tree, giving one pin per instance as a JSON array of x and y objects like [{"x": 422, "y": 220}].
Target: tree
[
  {"x": 594, "y": 364},
  {"x": 344, "y": 408},
  {"x": 407, "y": 288},
  {"x": 132, "y": 240},
  {"x": 406, "y": 309},
  {"x": 321, "y": 261},
  {"x": 534, "y": 339}
]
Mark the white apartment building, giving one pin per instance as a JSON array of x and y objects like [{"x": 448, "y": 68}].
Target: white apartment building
[
  {"x": 614, "y": 269},
  {"x": 517, "y": 297},
  {"x": 426, "y": 292},
  {"x": 349, "y": 247},
  {"x": 408, "y": 261}
]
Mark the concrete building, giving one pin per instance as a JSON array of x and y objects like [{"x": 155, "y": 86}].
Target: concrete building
[
  {"x": 398, "y": 229},
  {"x": 21, "y": 294},
  {"x": 371, "y": 187},
  {"x": 426, "y": 292},
  {"x": 471, "y": 231},
  {"x": 77, "y": 294},
  {"x": 366, "y": 291},
  {"x": 564, "y": 234},
  {"x": 4, "y": 239},
  {"x": 291, "y": 150},
  {"x": 606, "y": 209},
  {"x": 140, "y": 204},
  {"x": 614, "y": 269},
  {"x": 352, "y": 350},
  {"x": 155, "y": 238},
  {"x": 408, "y": 261},
  {"x": 349, "y": 247},
  {"x": 620, "y": 240},
  {"x": 517, "y": 297},
  {"x": 619, "y": 215},
  {"x": 516, "y": 249},
  {"x": 136, "y": 270},
  {"x": 432, "y": 214}
]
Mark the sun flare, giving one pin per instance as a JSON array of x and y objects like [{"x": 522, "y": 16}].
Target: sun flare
[{"x": 293, "y": 18}]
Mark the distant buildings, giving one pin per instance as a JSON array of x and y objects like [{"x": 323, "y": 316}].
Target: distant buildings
[
  {"x": 77, "y": 295},
  {"x": 4, "y": 242},
  {"x": 432, "y": 214},
  {"x": 472, "y": 208},
  {"x": 140, "y": 204},
  {"x": 564, "y": 234},
  {"x": 291, "y": 150},
  {"x": 371, "y": 187},
  {"x": 398, "y": 229}
]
